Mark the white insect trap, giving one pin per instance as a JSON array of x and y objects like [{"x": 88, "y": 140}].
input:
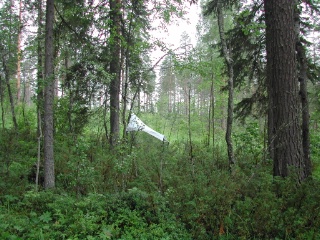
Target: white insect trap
[{"x": 135, "y": 124}]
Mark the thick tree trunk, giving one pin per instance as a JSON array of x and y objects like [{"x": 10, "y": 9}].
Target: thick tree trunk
[
  {"x": 228, "y": 59},
  {"x": 270, "y": 124},
  {"x": 283, "y": 88},
  {"x": 115, "y": 28},
  {"x": 49, "y": 177}
]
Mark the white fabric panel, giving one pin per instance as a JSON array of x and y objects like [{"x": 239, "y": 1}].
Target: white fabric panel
[
  {"x": 135, "y": 124},
  {"x": 154, "y": 133}
]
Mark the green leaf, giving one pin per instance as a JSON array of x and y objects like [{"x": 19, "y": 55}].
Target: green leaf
[{"x": 46, "y": 217}]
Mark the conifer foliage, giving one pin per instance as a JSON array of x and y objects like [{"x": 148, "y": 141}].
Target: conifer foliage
[{"x": 73, "y": 72}]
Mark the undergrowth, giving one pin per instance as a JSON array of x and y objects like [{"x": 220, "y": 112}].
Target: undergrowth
[{"x": 145, "y": 189}]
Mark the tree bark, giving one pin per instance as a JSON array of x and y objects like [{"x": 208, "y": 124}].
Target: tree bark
[
  {"x": 2, "y": 105},
  {"x": 105, "y": 107},
  {"x": 7, "y": 78},
  {"x": 228, "y": 59},
  {"x": 303, "y": 79},
  {"x": 125, "y": 90},
  {"x": 39, "y": 151},
  {"x": 7, "y": 68},
  {"x": 189, "y": 132},
  {"x": 305, "y": 109},
  {"x": 39, "y": 89},
  {"x": 211, "y": 113},
  {"x": 49, "y": 177},
  {"x": 40, "y": 93},
  {"x": 19, "y": 54},
  {"x": 283, "y": 88},
  {"x": 115, "y": 49}
]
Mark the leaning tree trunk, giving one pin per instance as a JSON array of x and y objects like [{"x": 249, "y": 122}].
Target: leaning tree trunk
[
  {"x": 7, "y": 68},
  {"x": 283, "y": 88},
  {"x": 228, "y": 59},
  {"x": 49, "y": 177},
  {"x": 7, "y": 78}
]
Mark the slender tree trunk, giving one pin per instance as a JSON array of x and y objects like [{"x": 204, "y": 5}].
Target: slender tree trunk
[
  {"x": 39, "y": 89},
  {"x": 213, "y": 116},
  {"x": 2, "y": 107},
  {"x": 209, "y": 119},
  {"x": 125, "y": 93},
  {"x": 7, "y": 65},
  {"x": 70, "y": 107},
  {"x": 211, "y": 113},
  {"x": 174, "y": 94},
  {"x": 283, "y": 88},
  {"x": 189, "y": 130},
  {"x": 185, "y": 99},
  {"x": 115, "y": 28},
  {"x": 39, "y": 151},
  {"x": 27, "y": 91},
  {"x": 228, "y": 59},
  {"x": 305, "y": 109},
  {"x": 40, "y": 93},
  {"x": 7, "y": 78},
  {"x": 49, "y": 177},
  {"x": 302, "y": 77},
  {"x": 19, "y": 54},
  {"x": 105, "y": 107}
]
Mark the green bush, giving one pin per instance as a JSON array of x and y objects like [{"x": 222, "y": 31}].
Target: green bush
[{"x": 129, "y": 215}]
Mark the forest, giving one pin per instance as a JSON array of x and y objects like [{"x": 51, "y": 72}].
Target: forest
[{"x": 239, "y": 111}]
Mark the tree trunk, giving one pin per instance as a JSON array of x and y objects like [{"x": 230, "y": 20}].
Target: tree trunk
[
  {"x": 19, "y": 53},
  {"x": 283, "y": 88},
  {"x": 39, "y": 89},
  {"x": 49, "y": 177},
  {"x": 302, "y": 77},
  {"x": 7, "y": 68},
  {"x": 7, "y": 78},
  {"x": 39, "y": 151},
  {"x": 105, "y": 107},
  {"x": 211, "y": 113},
  {"x": 2, "y": 105},
  {"x": 40, "y": 93},
  {"x": 305, "y": 109},
  {"x": 227, "y": 56},
  {"x": 189, "y": 132},
  {"x": 115, "y": 28},
  {"x": 125, "y": 91}
]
